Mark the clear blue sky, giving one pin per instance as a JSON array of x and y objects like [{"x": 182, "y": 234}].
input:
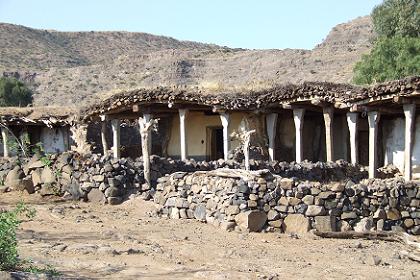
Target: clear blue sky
[{"x": 235, "y": 23}]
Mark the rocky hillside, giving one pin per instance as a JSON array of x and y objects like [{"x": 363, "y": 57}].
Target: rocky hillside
[{"x": 78, "y": 67}]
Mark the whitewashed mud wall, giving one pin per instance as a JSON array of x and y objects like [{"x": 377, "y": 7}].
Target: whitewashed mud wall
[
  {"x": 55, "y": 140},
  {"x": 416, "y": 150},
  {"x": 394, "y": 137},
  {"x": 196, "y": 124}
]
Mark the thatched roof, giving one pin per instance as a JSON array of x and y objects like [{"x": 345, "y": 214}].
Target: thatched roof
[
  {"x": 46, "y": 115},
  {"x": 341, "y": 95}
]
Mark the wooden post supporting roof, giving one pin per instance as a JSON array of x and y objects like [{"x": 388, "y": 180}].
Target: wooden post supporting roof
[
  {"x": 182, "y": 131},
  {"x": 103, "y": 135},
  {"x": 147, "y": 118},
  {"x": 328, "y": 113},
  {"x": 271, "y": 121},
  {"x": 115, "y": 123},
  {"x": 5, "y": 138},
  {"x": 224, "y": 117},
  {"x": 298, "y": 116},
  {"x": 354, "y": 147},
  {"x": 410, "y": 117},
  {"x": 146, "y": 127},
  {"x": 373, "y": 118}
]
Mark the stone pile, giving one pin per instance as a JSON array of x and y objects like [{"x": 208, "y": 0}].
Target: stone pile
[
  {"x": 93, "y": 178},
  {"x": 259, "y": 201},
  {"x": 279, "y": 196},
  {"x": 318, "y": 171},
  {"x": 75, "y": 177}
]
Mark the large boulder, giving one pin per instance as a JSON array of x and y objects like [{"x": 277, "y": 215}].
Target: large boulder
[
  {"x": 34, "y": 164},
  {"x": 287, "y": 183},
  {"x": 112, "y": 192},
  {"x": 14, "y": 178},
  {"x": 112, "y": 200},
  {"x": 36, "y": 177},
  {"x": 74, "y": 190},
  {"x": 325, "y": 223},
  {"x": 48, "y": 189},
  {"x": 365, "y": 224},
  {"x": 253, "y": 220},
  {"x": 200, "y": 212},
  {"x": 27, "y": 185},
  {"x": 96, "y": 196},
  {"x": 315, "y": 210},
  {"x": 296, "y": 223},
  {"x": 47, "y": 176}
]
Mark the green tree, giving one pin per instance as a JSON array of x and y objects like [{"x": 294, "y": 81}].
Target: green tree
[
  {"x": 390, "y": 59},
  {"x": 14, "y": 93},
  {"x": 397, "y": 18},
  {"x": 396, "y": 50}
]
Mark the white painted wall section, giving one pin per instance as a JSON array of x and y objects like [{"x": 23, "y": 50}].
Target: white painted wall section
[
  {"x": 54, "y": 140},
  {"x": 394, "y": 144}
]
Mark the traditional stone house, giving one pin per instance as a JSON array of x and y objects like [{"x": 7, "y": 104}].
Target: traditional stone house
[
  {"x": 372, "y": 126},
  {"x": 47, "y": 125}
]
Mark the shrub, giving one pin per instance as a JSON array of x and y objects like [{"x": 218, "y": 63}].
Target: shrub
[
  {"x": 9, "y": 221},
  {"x": 397, "y": 18},
  {"x": 390, "y": 59},
  {"x": 14, "y": 93},
  {"x": 396, "y": 51}
]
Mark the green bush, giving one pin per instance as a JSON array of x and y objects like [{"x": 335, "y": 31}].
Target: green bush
[
  {"x": 9, "y": 221},
  {"x": 397, "y": 18},
  {"x": 390, "y": 59},
  {"x": 396, "y": 50},
  {"x": 14, "y": 93}
]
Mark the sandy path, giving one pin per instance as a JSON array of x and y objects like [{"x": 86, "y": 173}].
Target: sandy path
[{"x": 88, "y": 241}]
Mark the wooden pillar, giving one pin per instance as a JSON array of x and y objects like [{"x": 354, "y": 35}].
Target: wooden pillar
[
  {"x": 354, "y": 147},
  {"x": 410, "y": 118},
  {"x": 373, "y": 118},
  {"x": 224, "y": 117},
  {"x": 103, "y": 135},
  {"x": 145, "y": 128},
  {"x": 148, "y": 118},
  {"x": 328, "y": 113},
  {"x": 144, "y": 133},
  {"x": 271, "y": 121},
  {"x": 298, "y": 115},
  {"x": 5, "y": 137},
  {"x": 116, "y": 137},
  {"x": 182, "y": 132}
]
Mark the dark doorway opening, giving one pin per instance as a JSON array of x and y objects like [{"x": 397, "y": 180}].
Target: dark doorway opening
[{"x": 214, "y": 143}]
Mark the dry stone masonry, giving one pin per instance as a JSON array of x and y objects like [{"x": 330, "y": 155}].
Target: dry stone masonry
[
  {"x": 258, "y": 201},
  {"x": 275, "y": 196}
]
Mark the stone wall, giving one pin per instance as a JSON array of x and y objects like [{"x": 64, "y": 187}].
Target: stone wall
[
  {"x": 277, "y": 196},
  {"x": 93, "y": 178},
  {"x": 261, "y": 201},
  {"x": 72, "y": 176}
]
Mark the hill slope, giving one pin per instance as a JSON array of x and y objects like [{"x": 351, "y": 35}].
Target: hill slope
[{"x": 75, "y": 67}]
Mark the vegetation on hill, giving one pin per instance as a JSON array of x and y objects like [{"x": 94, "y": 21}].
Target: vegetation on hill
[
  {"x": 396, "y": 52},
  {"x": 14, "y": 93}
]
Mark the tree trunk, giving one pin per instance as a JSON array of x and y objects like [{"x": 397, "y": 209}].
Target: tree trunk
[{"x": 146, "y": 156}]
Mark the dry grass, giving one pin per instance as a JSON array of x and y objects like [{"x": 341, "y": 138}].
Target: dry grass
[
  {"x": 39, "y": 111},
  {"x": 84, "y": 67}
]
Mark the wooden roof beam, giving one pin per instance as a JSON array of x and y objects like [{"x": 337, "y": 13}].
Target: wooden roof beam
[
  {"x": 364, "y": 108},
  {"x": 405, "y": 100}
]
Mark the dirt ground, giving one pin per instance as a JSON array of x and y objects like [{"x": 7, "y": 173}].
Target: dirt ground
[{"x": 90, "y": 241}]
